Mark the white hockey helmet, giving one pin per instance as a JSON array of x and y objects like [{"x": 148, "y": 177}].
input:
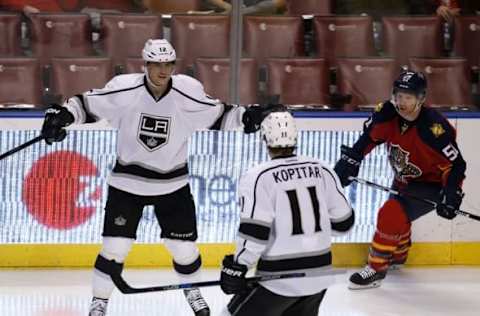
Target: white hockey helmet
[
  {"x": 279, "y": 130},
  {"x": 158, "y": 51}
]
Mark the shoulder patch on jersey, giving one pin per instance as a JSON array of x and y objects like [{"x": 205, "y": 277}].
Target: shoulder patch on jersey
[
  {"x": 379, "y": 107},
  {"x": 437, "y": 130}
]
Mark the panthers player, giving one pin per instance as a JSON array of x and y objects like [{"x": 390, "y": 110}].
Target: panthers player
[
  {"x": 290, "y": 206},
  {"x": 425, "y": 159},
  {"x": 155, "y": 113}
]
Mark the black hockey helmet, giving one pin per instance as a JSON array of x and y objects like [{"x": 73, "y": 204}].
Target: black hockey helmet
[{"x": 411, "y": 82}]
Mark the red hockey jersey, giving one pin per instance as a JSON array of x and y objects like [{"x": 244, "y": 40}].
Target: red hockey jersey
[{"x": 424, "y": 150}]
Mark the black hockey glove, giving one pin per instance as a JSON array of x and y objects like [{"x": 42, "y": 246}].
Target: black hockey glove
[
  {"x": 56, "y": 119},
  {"x": 348, "y": 165},
  {"x": 452, "y": 199},
  {"x": 254, "y": 115},
  {"x": 232, "y": 278}
]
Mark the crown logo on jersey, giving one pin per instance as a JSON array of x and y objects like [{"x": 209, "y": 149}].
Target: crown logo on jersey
[
  {"x": 402, "y": 168},
  {"x": 437, "y": 130},
  {"x": 153, "y": 131}
]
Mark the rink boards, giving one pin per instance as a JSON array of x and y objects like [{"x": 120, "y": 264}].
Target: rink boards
[{"x": 52, "y": 197}]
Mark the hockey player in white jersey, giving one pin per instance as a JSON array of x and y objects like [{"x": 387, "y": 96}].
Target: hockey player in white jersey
[
  {"x": 289, "y": 207},
  {"x": 155, "y": 114}
]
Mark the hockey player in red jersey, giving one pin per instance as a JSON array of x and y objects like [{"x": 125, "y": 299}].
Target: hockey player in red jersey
[{"x": 425, "y": 159}]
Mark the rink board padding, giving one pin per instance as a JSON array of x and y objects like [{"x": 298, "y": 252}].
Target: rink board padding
[
  {"x": 157, "y": 256},
  {"x": 52, "y": 197}
]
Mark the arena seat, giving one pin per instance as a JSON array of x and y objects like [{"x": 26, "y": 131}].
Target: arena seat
[
  {"x": 336, "y": 36},
  {"x": 10, "y": 34},
  {"x": 298, "y": 81},
  {"x": 124, "y": 35},
  {"x": 70, "y": 76},
  {"x": 214, "y": 73},
  {"x": 60, "y": 35},
  {"x": 412, "y": 36},
  {"x": 466, "y": 41},
  {"x": 21, "y": 81},
  {"x": 367, "y": 80},
  {"x": 195, "y": 36},
  {"x": 448, "y": 81},
  {"x": 272, "y": 36}
]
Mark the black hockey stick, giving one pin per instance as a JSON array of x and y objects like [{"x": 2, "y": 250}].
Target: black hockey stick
[
  {"x": 22, "y": 146},
  {"x": 412, "y": 196},
  {"x": 125, "y": 288}
]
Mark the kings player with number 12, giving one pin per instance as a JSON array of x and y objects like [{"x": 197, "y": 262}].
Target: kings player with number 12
[
  {"x": 155, "y": 113},
  {"x": 426, "y": 161}
]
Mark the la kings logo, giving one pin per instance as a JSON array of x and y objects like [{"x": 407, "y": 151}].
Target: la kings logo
[
  {"x": 402, "y": 167},
  {"x": 153, "y": 131}
]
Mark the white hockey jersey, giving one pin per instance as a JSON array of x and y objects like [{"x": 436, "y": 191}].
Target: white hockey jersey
[
  {"x": 152, "y": 133},
  {"x": 289, "y": 208}
]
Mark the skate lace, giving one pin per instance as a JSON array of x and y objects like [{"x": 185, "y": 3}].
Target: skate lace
[
  {"x": 367, "y": 272},
  {"x": 98, "y": 307},
  {"x": 196, "y": 301}
]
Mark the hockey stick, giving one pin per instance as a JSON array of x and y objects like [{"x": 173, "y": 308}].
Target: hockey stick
[
  {"x": 22, "y": 146},
  {"x": 125, "y": 288},
  {"x": 412, "y": 196}
]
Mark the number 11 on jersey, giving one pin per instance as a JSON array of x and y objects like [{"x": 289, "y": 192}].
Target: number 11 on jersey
[{"x": 297, "y": 228}]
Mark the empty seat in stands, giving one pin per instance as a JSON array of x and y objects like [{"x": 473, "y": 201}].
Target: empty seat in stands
[
  {"x": 467, "y": 39},
  {"x": 272, "y": 36},
  {"x": 10, "y": 34},
  {"x": 316, "y": 7},
  {"x": 134, "y": 65},
  {"x": 124, "y": 35},
  {"x": 21, "y": 81},
  {"x": 343, "y": 37},
  {"x": 175, "y": 6},
  {"x": 298, "y": 81},
  {"x": 195, "y": 36},
  {"x": 70, "y": 76},
  {"x": 215, "y": 75},
  {"x": 448, "y": 83},
  {"x": 137, "y": 65},
  {"x": 60, "y": 35},
  {"x": 368, "y": 81},
  {"x": 410, "y": 36}
]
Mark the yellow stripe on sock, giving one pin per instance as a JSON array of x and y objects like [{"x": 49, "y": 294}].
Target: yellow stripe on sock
[{"x": 383, "y": 247}]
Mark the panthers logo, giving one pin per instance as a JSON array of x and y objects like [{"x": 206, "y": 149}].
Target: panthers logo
[{"x": 402, "y": 168}]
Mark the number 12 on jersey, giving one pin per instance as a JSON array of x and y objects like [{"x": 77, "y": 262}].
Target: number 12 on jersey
[{"x": 297, "y": 228}]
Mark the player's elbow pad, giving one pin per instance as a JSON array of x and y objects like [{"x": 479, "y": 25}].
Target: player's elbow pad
[{"x": 344, "y": 225}]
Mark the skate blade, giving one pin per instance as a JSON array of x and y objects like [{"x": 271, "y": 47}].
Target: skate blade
[{"x": 353, "y": 286}]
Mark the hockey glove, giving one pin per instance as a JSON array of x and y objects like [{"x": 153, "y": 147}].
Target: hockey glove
[
  {"x": 452, "y": 199},
  {"x": 232, "y": 278},
  {"x": 254, "y": 115},
  {"x": 348, "y": 165},
  {"x": 56, "y": 119}
]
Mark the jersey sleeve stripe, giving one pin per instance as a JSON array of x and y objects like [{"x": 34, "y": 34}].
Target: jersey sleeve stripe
[
  {"x": 344, "y": 225},
  {"x": 336, "y": 185},
  {"x": 258, "y": 232},
  {"x": 300, "y": 263},
  {"x": 193, "y": 99},
  {"x": 88, "y": 116},
  {"x": 217, "y": 125},
  {"x": 255, "y": 221}
]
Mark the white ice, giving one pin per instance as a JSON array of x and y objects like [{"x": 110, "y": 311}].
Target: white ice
[{"x": 412, "y": 291}]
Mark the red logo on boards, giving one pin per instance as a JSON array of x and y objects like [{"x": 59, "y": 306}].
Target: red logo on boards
[{"x": 58, "y": 190}]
